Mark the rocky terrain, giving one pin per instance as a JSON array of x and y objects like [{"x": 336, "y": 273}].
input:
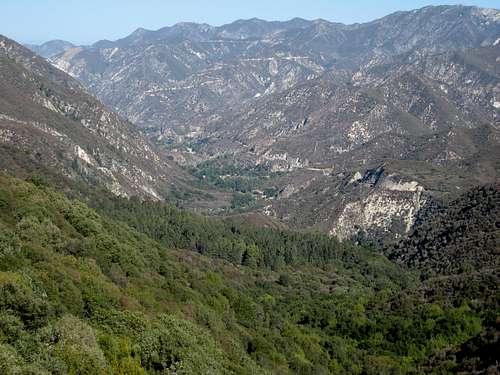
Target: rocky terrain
[
  {"x": 47, "y": 119},
  {"x": 163, "y": 79},
  {"x": 433, "y": 123},
  {"x": 357, "y": 127}
]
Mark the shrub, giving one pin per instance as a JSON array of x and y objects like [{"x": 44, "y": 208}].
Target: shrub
[
  {"x": 175, "y": 346},
  {"x": 8, "y": 242},
  {"x": 74, "y": 342},
  {"x": 18, "y": 299}
]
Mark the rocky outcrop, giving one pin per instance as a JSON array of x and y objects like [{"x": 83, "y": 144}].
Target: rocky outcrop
[{"x": 390, "y": 208}]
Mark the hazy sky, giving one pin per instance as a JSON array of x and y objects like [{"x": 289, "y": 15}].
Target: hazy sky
[{"x": 86, "y": 21}]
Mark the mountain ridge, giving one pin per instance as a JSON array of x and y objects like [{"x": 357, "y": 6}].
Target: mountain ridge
[
  {"x": 211, "y": 76},
  {"x": 73, "y": 130},
  {"x": 51, "y": 48}
]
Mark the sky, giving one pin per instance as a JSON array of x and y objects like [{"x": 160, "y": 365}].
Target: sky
[{"x": 87, "y": 21}]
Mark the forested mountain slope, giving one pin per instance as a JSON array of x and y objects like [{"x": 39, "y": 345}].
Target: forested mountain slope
[
  {"x": 476, "y": 356},
  {"x": 378, "y": 143},
  {"x": 81, "y": 291},
  {"x": 459, "y": 237}
]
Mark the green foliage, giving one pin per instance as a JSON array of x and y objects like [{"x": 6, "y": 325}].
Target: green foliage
[
  {"x": 460, "y": 237},
  {"x": 248, "y": 183},
  {"x": 251, "y": 246},
  {"x": 241, "y": 200},
  {"x": 30, "y": 229},
  {"x": 224, "y": 174},
  {"x": 174, "y": 346},
  {"x": 10, "y": 361},
  {"x": 9, "y": 245},
  {"x": 73, "y": 342},
  {"x": 136, "y": 287},
  {"x": 18, "y": 298}
]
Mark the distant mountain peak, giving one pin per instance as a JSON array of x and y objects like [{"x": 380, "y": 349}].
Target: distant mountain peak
[{"x": 51, "y": 48}]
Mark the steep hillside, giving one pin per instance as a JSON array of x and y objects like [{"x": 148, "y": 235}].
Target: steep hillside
[
  {"x": 428, "y": 124},
  {"x": 351, "y": 174},
  {"x": 378, "y": 113},
  {"x": 47, "y": 118},
  {"x": 460, "y": 237},
  {"x": 476, "y": 356}
]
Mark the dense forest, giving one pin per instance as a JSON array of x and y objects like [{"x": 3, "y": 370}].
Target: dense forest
[{"x": 131, "y": 287}]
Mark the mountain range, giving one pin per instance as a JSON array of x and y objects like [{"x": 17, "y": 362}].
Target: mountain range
[
  {"x": 175, "y": 73},
  {"x": 414, "y": 96},
  {"x": 345, "y": 178}
]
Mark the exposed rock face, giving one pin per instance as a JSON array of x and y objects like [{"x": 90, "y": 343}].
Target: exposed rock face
[
  {"x": 396, "y": 112},
  {"x": 390, "y": 208},
  {"x": 49, "y": 118}
]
